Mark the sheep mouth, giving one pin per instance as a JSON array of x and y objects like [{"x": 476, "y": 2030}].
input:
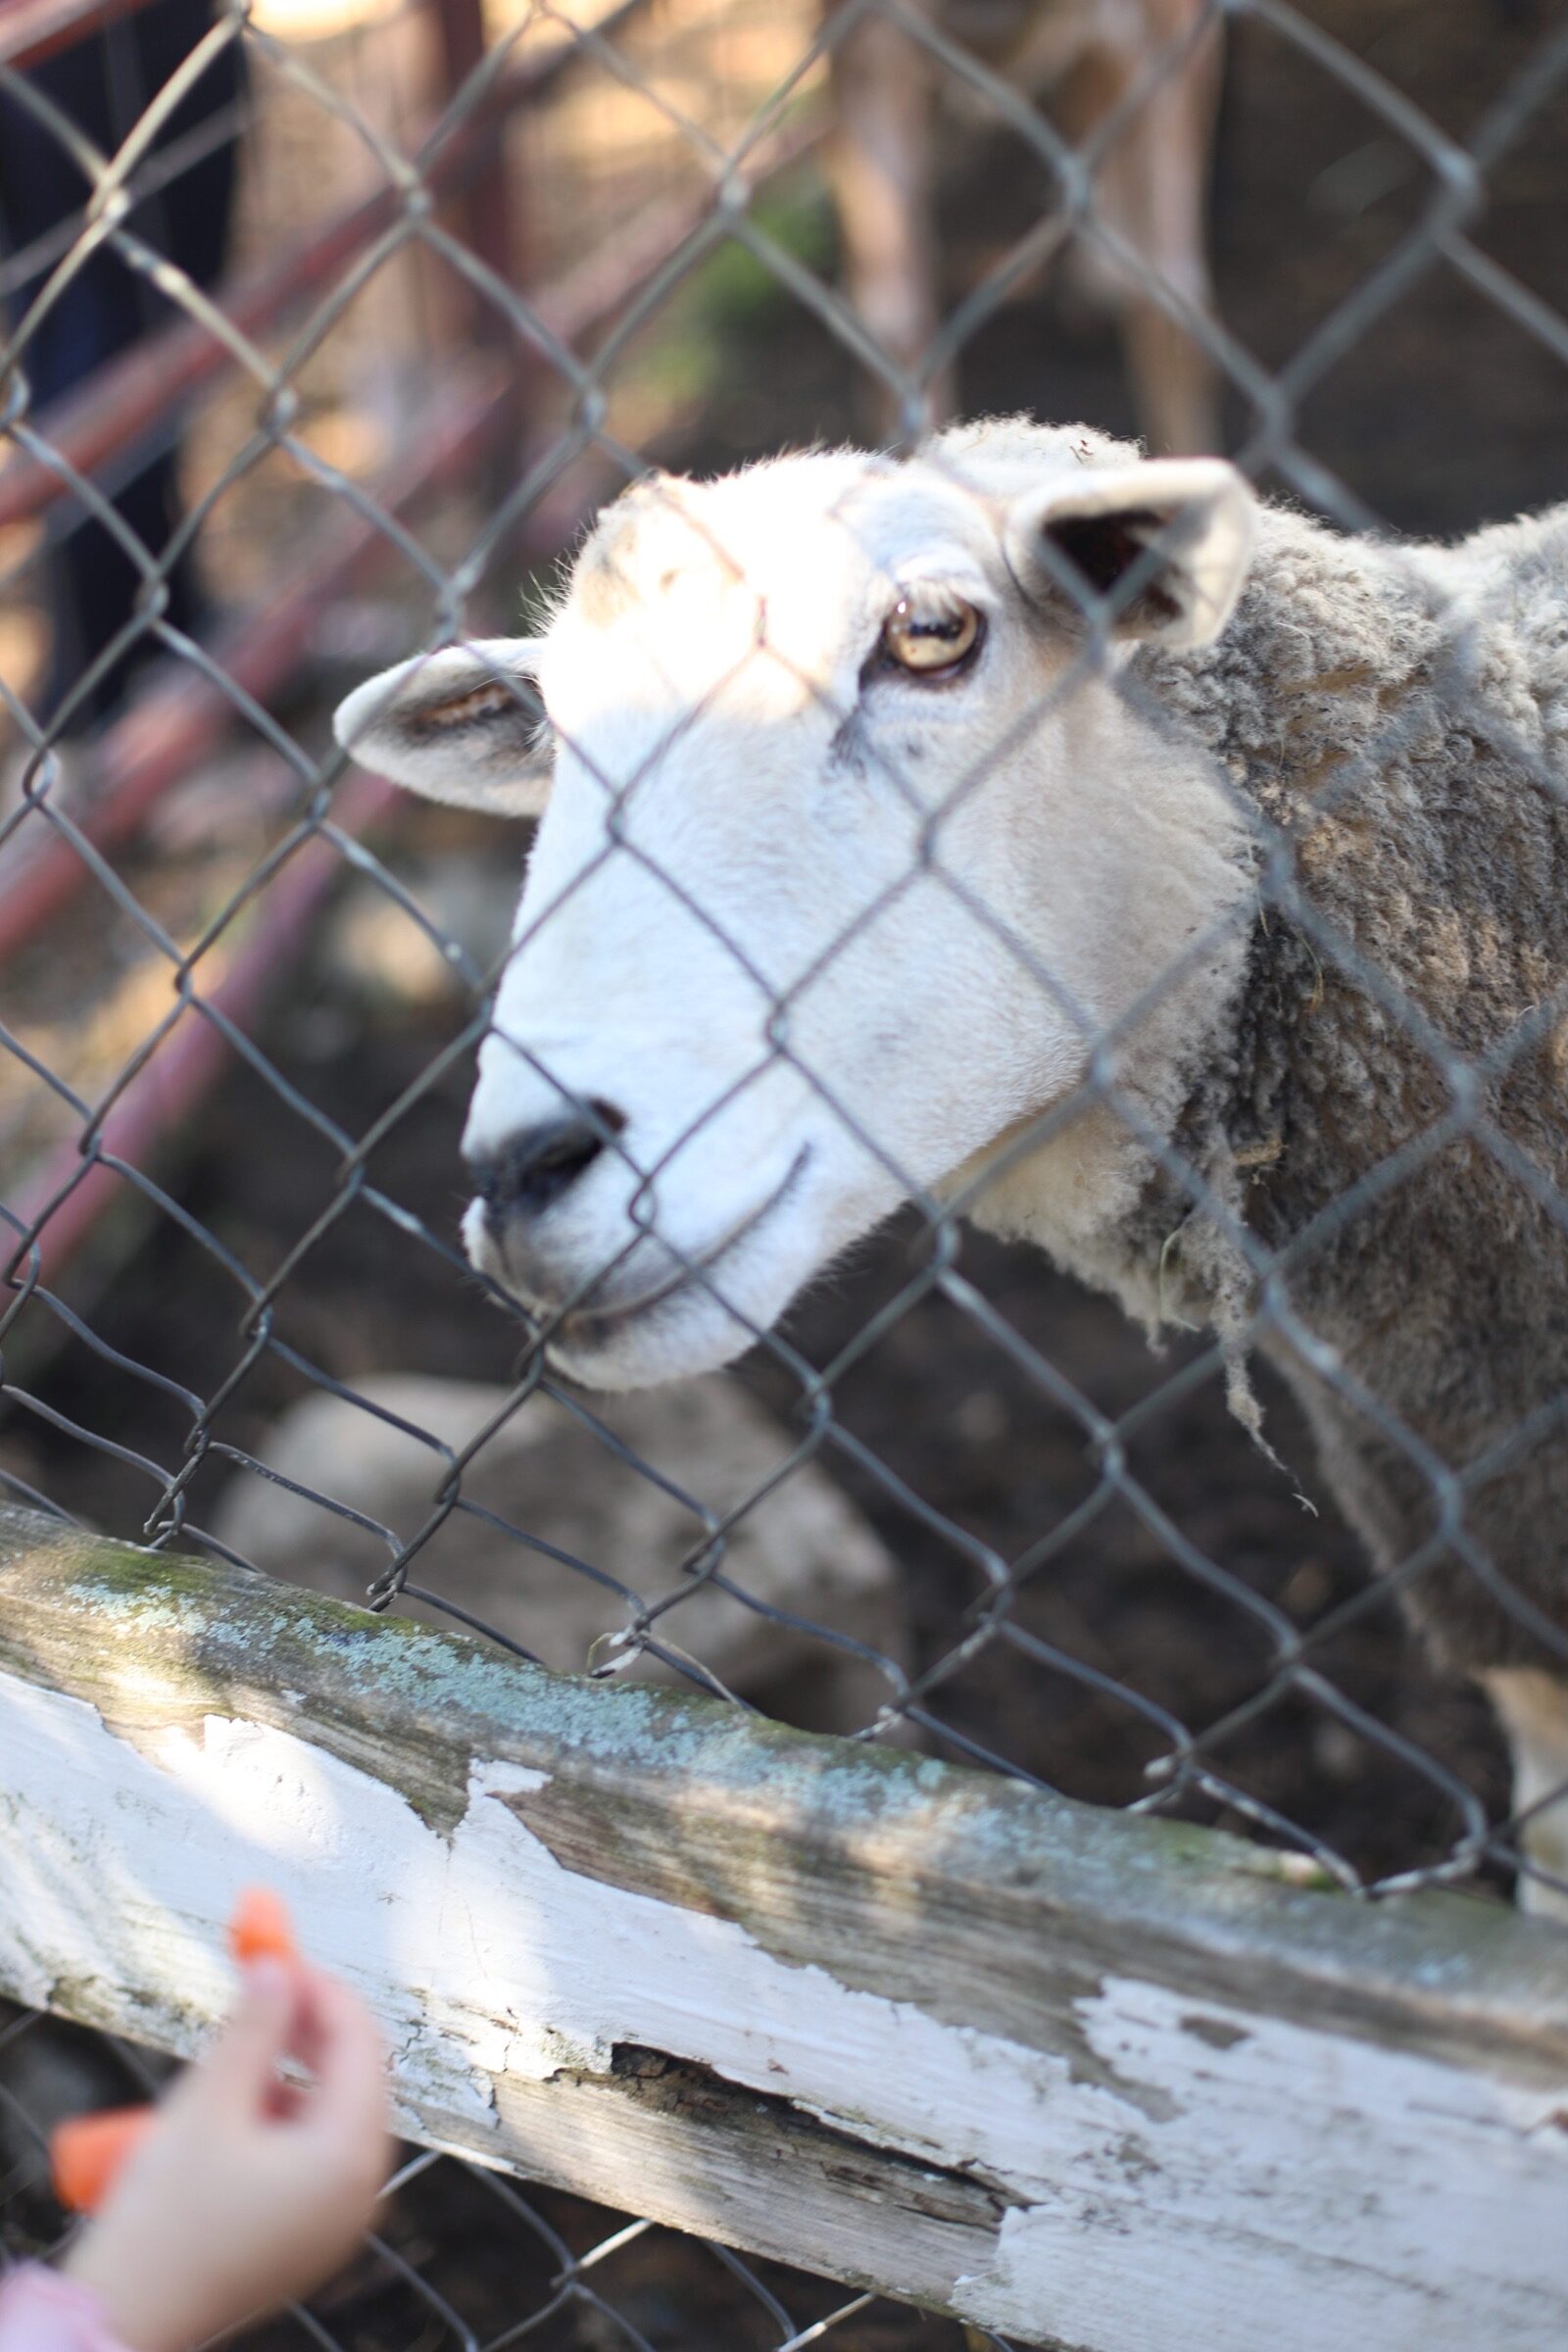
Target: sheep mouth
[{"x": 589, "y": 1327}]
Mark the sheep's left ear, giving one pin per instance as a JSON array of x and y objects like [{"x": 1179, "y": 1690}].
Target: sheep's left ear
[
  {"x": 462, "y": 725},
  {"x": 1177, "y": 531}
]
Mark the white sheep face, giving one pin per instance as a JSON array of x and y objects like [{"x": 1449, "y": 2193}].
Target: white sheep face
[{"x": 851, "y": 849}]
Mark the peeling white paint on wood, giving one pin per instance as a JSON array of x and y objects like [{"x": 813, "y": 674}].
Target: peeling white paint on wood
[{"x": 1156, "y": 2171}]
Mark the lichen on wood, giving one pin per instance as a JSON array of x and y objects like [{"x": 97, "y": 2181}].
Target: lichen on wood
[{"x": 1065, "y": 2073}]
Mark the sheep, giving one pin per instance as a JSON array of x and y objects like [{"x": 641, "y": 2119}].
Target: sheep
[{"x": 1069, "y": 840}]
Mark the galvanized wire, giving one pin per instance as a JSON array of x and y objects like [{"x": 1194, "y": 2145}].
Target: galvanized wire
[{"x": 75, "y": 1370}]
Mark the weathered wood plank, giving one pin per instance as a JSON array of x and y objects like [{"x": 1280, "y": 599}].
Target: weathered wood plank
[{"x": 1103, "y": 2082}]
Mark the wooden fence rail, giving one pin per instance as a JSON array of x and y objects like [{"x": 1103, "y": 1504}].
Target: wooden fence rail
[{"x": 1096, "y": 2082}]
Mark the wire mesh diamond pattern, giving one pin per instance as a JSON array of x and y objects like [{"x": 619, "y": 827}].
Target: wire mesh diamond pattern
[{"x": 332, "y": 325}]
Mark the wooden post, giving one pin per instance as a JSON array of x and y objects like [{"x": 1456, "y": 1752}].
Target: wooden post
[
  {"x": 1087, "y": 2079},
  {"x": 485, "y": 217}
]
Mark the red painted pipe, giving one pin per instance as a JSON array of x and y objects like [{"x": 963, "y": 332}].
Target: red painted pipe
[
  {"x": 190, "y": 1057},
  {"x": 33, "y": 30},
  {"x": 169, "y": 728},
  {"x": 175, "y": 723},
  {"x": 120, "y": 403},
  {"x": 191, "y": 1054}
]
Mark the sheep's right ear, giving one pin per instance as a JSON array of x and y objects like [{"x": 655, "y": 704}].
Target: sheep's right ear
[{"x": 461, "y": 725}]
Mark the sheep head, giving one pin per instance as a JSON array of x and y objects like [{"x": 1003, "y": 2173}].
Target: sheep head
[{"x": 852, "y": 847}]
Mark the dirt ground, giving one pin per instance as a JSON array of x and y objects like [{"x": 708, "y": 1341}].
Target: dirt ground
[{"x": 1441, "y": 414}]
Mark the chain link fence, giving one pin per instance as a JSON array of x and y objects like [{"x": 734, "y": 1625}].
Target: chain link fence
[{"x": 331, "y": 324}]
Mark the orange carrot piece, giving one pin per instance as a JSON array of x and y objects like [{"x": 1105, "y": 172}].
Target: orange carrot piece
[
  {"x": 85, "y": 2155},
  {"x": 261, "y": 1929}
]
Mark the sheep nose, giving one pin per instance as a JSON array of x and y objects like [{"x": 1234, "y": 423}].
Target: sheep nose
[{"x": 533, "y": 1168}]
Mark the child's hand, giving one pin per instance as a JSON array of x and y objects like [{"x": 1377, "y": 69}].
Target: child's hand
[{"x": 246, "y": 2194}]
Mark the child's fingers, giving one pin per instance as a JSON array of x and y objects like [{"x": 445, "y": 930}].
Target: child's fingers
[
  {"x": 241, "y": 2068},
  {"x": 346, "y": 2056}
]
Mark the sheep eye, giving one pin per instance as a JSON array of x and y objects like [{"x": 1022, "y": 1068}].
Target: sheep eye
[{"x": 932, "y": 633}]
